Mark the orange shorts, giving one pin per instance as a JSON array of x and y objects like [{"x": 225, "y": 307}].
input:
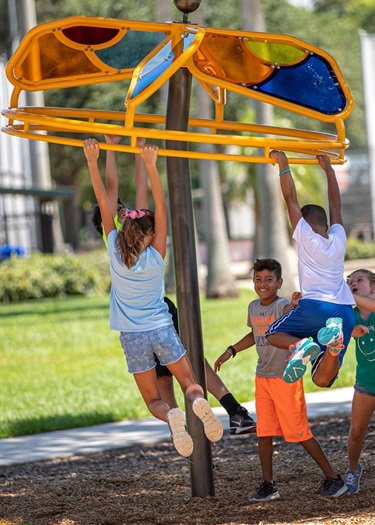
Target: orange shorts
[{"x": 281, "y": 409}]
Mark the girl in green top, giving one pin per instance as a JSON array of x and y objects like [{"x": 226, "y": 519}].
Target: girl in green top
[{"x": 362, "y": 285}]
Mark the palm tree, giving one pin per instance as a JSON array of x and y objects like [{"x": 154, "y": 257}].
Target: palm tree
[
  {"x": 220, "y": 281},
  {"x": 272, "y": 238}
]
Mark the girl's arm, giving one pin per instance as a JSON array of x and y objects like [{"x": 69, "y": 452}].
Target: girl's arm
[
  {"x": 91, "y": 150},
  {"x": 150, "y": 154},
  {"x": 141, "y": 182},
  {"x": 367, "y": 303},
  {"x": 111, "y": 177}
]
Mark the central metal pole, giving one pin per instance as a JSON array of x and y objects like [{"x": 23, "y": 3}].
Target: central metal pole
[{"x": 189, "y": 318}]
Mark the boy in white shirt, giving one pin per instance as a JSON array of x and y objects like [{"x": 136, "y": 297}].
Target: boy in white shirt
[{"x": 319, "y": 328}]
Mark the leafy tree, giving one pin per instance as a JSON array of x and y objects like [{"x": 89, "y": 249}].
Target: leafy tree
[{"x": 340, "y": 21}]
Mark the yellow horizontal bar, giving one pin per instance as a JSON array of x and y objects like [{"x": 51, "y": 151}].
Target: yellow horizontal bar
[
  {"x": 320, "y": 149},
  {"x": 300, "y": 137},
  {"x": 92, "y": 115}
]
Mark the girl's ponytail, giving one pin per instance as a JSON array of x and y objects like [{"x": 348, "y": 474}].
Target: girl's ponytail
[{"x": 130, "y": 239}]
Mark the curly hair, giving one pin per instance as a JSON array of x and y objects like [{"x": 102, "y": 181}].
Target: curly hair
[
  {"x": 130, "y": 239},
  {"x": 268, "y": 264},
  {"x": 96, "y": 218}
]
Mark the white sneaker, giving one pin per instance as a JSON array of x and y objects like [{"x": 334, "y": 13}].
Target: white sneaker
[
  {"x": 212, "y": 425},
  {"x": 181, "y": 438}
]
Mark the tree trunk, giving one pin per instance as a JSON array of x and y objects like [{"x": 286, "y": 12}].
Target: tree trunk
[
  {"x": 275, "y": 242},
  {"x": 220, "y": 281}
]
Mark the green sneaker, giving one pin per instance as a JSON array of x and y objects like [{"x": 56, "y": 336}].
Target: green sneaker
[
  {"x": 304, "y": 351},
  {"x": 331, "y": 335}
]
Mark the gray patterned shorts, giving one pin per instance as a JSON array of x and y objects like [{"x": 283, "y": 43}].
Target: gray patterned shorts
[{"x": 140, "y": 347}]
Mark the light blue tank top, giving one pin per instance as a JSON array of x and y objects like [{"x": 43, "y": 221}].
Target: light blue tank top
[{"x": 137, "y": 294}]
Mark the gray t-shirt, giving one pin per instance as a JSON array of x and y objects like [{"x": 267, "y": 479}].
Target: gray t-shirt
[{"x": 271, "y": 360}]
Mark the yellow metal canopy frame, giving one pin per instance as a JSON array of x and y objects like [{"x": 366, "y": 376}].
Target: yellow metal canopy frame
[{"x": 276, "y": 69}]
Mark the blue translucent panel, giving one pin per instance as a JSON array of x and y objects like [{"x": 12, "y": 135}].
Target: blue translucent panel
[
  {"x": 158, "y": 64},
  {"x": 311, "y": 84},
  {"x": 131, "y": 49}
]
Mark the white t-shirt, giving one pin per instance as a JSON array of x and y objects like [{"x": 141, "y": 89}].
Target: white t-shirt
[{"x": 321, "y": 264}]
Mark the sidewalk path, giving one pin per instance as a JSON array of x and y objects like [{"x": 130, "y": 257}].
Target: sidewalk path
[{"x": 142, "y": 431}]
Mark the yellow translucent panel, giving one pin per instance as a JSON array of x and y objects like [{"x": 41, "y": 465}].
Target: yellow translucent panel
[
  {"x": 237, "y": 64},
  {"x": 280, "y": 53},
  {"x": 49, "y": 59}
]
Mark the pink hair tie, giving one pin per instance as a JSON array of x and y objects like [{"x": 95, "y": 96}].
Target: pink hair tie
[{"x": 134, "y": 214}]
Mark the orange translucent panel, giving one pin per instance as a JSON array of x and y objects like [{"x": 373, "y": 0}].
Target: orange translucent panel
[
  {"x": 48, "y": 58},
  {"x": 237, "y": 63},
  {"x": 281, "y": 54}
]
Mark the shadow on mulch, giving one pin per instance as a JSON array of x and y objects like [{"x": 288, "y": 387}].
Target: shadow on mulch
[{"x": 150, "y": 485}]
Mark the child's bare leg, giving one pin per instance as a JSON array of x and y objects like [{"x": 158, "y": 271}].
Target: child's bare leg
[
  {"x": 240, "y": 421},
  {"x": 313, "y": 448},
  {"x": 327, "y": 370},
  {"x": 265, "y": 448},
  {"x": 282, "y": 339},
  {"x": 166, "y": 389},
  {"x": 148, "y": 387},
  {"x": 215, "y": 385},
  {"x": 184, "y": 374},
  {"x": 362, "y": 409}
]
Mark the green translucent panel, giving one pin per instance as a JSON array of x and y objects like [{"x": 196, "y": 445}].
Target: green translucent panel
[
  {"x": 280, "y": 53},
  {"x": 130, "y": 50}
]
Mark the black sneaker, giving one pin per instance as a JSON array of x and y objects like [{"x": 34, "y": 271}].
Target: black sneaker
[
  {"x": 332, "y": 487},
  {"x": 241, "y": 422},
  {"x": 266, "y": 492}
]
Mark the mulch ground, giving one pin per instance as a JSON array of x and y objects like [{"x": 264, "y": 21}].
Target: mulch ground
[{"x": 150, "y": 485}]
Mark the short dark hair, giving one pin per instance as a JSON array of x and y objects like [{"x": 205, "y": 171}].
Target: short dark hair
[
  {"x": 314, "y": 214},
  {"x": 96, "y": 218},
  {"x": 268, "y": 264}
]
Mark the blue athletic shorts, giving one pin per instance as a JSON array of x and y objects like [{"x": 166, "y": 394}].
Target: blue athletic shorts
[
  {"x": 140, "y": 347},
  {"x": 309, "y": 316}
]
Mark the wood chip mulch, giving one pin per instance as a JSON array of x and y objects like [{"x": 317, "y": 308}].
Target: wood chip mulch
[{"x": 151, "y": 485}]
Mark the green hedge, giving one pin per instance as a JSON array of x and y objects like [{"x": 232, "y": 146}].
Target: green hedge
[
  {"x": 41, "y": 275},
  {"x": 357, "y": 249}
]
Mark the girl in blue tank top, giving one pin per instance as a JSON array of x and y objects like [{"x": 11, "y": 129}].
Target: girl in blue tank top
[{"x": 137, "y": 307}]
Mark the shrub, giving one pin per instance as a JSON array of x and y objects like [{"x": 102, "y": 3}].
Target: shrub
[
  {"x": 358, "y": 249},
  {"x": 41, "y": 275}
]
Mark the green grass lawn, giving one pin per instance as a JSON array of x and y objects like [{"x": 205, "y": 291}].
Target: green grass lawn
[{"x": 62, "y": 367}]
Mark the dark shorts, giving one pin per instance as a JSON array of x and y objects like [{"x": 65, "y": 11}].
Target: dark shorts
[
  {"x": 161, "y": 370},
  {"x": 363, "y": 390}
]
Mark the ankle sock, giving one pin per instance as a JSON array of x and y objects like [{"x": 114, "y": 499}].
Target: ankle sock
[{"x": 230, "y": 403}]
